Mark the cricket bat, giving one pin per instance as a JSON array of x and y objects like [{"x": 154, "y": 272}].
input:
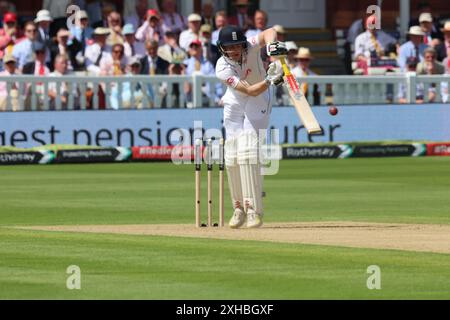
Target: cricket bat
[{"x": 299, "y": 101}]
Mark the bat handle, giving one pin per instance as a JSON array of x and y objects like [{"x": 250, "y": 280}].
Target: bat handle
[{"x": 286, "y": 70}]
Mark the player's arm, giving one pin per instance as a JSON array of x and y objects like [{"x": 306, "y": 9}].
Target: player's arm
[
  {"x": 267, "y": 36},
  {"x": 274, "y": 76}
]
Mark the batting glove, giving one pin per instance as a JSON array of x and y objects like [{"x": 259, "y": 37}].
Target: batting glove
[
  {"x": 275, "y": 74},
  {"x": 276, "y": 49}
]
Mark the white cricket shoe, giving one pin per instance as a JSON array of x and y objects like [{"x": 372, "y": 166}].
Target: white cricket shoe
[
  {"x": 238, "y": 218},
  {"x": 254, "y": 220}
]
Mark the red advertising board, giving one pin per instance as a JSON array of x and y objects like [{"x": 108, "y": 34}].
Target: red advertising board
[
  {"x": 167, "y": 153},
  {"x": 438, "y": 149}
]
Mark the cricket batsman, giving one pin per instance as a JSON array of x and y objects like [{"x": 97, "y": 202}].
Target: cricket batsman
[{"x": 247, "y": 107}]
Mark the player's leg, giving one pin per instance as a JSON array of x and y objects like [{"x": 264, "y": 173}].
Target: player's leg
[
  {"x": 256, "y": 120},
  {"x": 233, "y": 123}
]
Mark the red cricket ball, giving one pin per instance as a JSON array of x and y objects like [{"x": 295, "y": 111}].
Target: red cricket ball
[{"x": 333, "y": 110}]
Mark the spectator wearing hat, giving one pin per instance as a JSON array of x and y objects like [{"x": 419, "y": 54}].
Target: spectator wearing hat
[
  {"x": 443, "y": 48},
  {"x": 424, "y": 7},
  {"x": 176, "y": 68},
  {"x": 281, "y": 32},
  {"x": 23, "y": 50},
  {"x": 43, "y": 21},
  {"x": 221, "y": 20},
  {"x": 81, "y": 31},
  {"x": 192, "y": 33},
  {"x": 131, "y": 45},
  {"x": 372, "y": 44},
  {"x": 98, "y": 51},
  {"x": 413, "y": 48},
  {"x": 242, "y": 19},
  {"x": 10, "y": 69},
  {"x": 292, "y": 51},
  {"x": 196, "y": 64},
  {"x": 171, "y": 19},
  {"x": 61, "y": 46},
  {"x": 432, "y": 35},
  {"x": 135, "y": 11},
  {"x": 62, "y": 89},
  {"x": 208, "y": 14},
  {"x": 5, "y": 6},
  {"x": 151, "y": 29},
  {"x": 10, "y": 34},
  {"x": 260, "y": 24},
  {"x": 210, "y": 51},
  {"x": 303, "y": 59}
]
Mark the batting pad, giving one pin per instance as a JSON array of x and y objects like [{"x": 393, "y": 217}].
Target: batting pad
[
  {"x": 250, "y": 169},
  {"x": 233, "y": 172}
]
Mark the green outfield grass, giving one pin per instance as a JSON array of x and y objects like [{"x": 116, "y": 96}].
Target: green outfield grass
[{"x": 33, "y": 263}]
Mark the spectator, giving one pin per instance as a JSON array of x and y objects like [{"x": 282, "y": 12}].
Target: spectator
[
  {"x": 411, "y": 67},
  {"x": 81, "y": 34},
  {"x": 260, "y": 23},
  {"x": 302, "y": 69},
  {"x": 193, "y": 33},
  {"x": 62, "y": 89},
  {"x": 281, "y": 32},
  {"x": 153, "y": 65},
  {"x": 172, "y": 21},
  {"x": 413, "y": 48},
  {"x": 425, "y": 8},
  {"x": 443, "y": 49},
  {"x": 196, "y": 64},
  {"x": 61, "y": 47},
  {"x": 5, "y": 6},
  {"x": 292, "y": 51},
  {"x": 10, "y": 69},
  {"x": 242, "y": 19},
  {"x": 130, "y": 90},
  {"x": 171, "y": 48},
  {"x": 221, "y": 21},
  {"x": 81, "y": 31},
  {"x": 210, "y": 51},
  {"x": 176, "y": 68},
  {"x": 106, "y": 9},
  {"x": 135, "y": 11},
  {"x": 151, "y": 29},
  {"x": 43, "y": 21},
  {"x": 426, "y": 23},
  {"x": 23, "y": 50},
  {"x": 371, "y": 45},
  {"x": 208, "y": 14},
  {"x": 58, "y": 10},
  {"x": 132, "y": 47},
  {"x": 9, "y": 34},
  {"x": 430, "y": 67},
  {"x": 98, "y": 51},
  {"x": 115, "y": 27},
  {"x": 114, "y": 64},
  {"x": 39, "y": 67}
]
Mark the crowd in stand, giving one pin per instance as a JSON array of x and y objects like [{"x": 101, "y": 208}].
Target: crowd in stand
[
  {"x": 147, "y": 40},
  {"x": 425, "y": 52}
]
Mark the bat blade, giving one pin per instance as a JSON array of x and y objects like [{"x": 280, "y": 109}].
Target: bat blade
[
  {"x": 304, "y": 112},
  {"x": 299, "y": 101}
]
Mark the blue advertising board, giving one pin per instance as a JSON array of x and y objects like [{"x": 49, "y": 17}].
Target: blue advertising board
[{"x": 154, "y": 127}]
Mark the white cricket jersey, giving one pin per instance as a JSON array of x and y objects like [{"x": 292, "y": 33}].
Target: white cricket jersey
[{"x": 252, "y": 69}]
